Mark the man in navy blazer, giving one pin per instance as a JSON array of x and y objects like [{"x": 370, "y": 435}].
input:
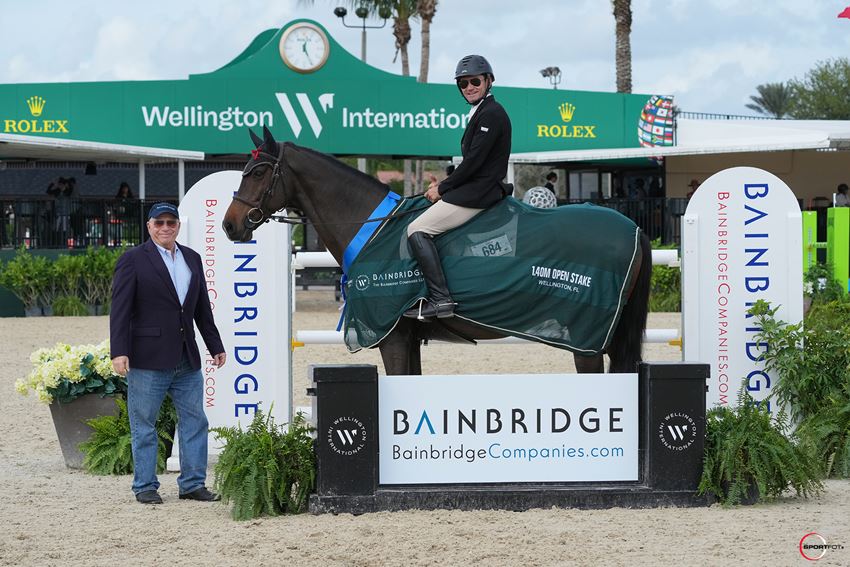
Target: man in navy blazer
[{"x": 158, "y": 292}]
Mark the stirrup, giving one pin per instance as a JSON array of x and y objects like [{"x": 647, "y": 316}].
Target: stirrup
[{"x": 416, "y": 312}]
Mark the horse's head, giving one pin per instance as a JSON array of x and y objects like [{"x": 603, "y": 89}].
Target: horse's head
[{"x": 262, "y": 191}]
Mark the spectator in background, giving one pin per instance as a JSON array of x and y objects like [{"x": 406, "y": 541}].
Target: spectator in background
[
  {"x": 551, "y": 179},
  {"x": 63, "y": 191},
  {"x": 694, "y": 185},
  {"x": 841, "y": 199},
  {"x": 124, "y": 192}
]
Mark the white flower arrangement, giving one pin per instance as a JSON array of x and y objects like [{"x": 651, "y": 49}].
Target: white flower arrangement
[{"x": 67, "y": 372}]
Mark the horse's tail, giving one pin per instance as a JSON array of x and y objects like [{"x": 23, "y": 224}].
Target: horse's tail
[{"x": 627, "y": 342}]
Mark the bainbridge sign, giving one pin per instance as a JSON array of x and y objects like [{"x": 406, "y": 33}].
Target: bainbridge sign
[
  {"x": 742, "y": 242},
  {"x": 247, "y": 284},
  {"x": 486, "y": 428}
]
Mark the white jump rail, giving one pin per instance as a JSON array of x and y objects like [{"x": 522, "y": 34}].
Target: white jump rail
[{"x": 325, "y": 260}]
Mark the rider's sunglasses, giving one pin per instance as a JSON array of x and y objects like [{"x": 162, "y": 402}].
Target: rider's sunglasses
[
  {"x": 161, "y": 222},
  {"x": 463, "y": 83}
]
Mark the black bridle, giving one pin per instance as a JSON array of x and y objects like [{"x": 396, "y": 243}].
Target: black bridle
[{"x": 257, "y": 214}]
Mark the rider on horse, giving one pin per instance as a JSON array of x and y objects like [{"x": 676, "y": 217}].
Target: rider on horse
[{"x": 473, "y": 186}]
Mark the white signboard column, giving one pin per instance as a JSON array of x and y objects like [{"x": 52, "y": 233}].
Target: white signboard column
[
  {"x": 247, "y": 283},
  {"x": 742, "y": 241}
]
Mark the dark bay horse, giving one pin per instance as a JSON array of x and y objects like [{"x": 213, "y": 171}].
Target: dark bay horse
[{"x": 338, "y": 199}]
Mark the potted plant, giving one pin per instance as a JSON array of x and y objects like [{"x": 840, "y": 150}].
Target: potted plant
[
  {"x": 78, "y": 382},
  {"x": 748, "y": 457},
  {"x": 266, "y": 469}
]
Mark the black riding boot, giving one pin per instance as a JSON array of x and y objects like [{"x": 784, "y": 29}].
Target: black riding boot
[{"x": 439, "y": 303}]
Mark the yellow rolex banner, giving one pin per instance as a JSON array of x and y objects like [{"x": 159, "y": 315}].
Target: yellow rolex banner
[{"x": 557, "y": 276}]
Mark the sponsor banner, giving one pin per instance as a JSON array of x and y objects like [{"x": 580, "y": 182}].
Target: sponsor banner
[
  {"x": 742, "y": 242},
  {"x": 344, "y": 107},
  {"x": 507, "y": 428},
  {"x": 246, "y": 283}
]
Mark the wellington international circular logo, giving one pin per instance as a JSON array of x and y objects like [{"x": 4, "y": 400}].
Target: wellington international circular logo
[
  {"x": 346, "y": 436},
  {"x": 677, "y": 431}
]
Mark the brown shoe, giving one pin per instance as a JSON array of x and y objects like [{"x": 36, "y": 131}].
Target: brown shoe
[{"x": 202, "y": 495}]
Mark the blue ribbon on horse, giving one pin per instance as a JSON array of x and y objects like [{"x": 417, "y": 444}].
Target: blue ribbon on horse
[{"x": 366, "y": 232}]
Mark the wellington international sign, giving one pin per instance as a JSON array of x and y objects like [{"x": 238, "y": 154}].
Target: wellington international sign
[{"x": 336, "y": 104}]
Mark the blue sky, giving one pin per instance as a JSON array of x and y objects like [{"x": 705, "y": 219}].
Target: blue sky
[{"x": 709, "y": 54}]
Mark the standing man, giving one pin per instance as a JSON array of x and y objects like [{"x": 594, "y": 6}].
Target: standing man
[
  {"x": 841, "y": 199},
  {"x": 551, "y": 179},
  {"x": 472, "y": 187},
  {"x": 157, "y": 293}
]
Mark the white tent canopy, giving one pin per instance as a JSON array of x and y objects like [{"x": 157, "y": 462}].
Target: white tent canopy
[
  {"x": 14, "y": 146},
  {"x": 695, "y": 137}
]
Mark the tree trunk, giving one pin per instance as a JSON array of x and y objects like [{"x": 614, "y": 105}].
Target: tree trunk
[
  {"x": 426, "y": 10},
  {"x": 623, "y": 18}
]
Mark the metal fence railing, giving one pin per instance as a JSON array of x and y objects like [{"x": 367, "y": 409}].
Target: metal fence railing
[
  {"x": 77, "y": 223},
  {"x": 40, "y": 223}
]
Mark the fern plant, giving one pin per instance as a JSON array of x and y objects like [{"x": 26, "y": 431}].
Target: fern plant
[
  {"x": 827, "y": 433},
  {"x": 266, "y": 469},
  {"x": 109, "y": 449},
  {"x": 747, "y": 455}
]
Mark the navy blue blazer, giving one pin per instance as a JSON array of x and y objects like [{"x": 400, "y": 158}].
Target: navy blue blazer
[
  {"x": 147, "y": 322},
  {"x": 485, "y": 147}
]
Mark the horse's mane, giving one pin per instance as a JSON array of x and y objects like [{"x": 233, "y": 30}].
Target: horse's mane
[{"x": 338, "y": 169}]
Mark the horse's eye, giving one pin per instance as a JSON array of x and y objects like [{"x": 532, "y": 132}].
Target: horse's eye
[{"x": 259, "y": 172}]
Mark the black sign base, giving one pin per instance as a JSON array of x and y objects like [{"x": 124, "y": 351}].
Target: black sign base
[{"x": 671, "y": 418}]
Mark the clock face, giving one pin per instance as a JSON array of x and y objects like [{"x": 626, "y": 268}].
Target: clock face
[{"x": 304, "y": 48}]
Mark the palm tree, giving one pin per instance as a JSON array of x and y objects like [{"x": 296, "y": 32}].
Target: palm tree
[
  {"x": 426, "y": 10},
  {"x": 774, "y": 99},
  {"x": 623, "y": 19}
]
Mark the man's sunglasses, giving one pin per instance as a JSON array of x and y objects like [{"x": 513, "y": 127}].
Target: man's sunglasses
[
  {"x": 161, "y": 222},
  {"x": 463, "y": 83}
]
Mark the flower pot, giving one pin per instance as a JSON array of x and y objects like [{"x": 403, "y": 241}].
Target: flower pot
[{"x": 70, "y": 422}]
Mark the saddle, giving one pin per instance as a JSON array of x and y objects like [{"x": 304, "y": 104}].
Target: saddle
[{"x": 557, "y": 276}]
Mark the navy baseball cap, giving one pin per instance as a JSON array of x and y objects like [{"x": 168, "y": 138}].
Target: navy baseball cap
[{"x": 163, "y": 209}]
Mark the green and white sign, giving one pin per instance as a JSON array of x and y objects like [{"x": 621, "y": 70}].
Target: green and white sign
[{"x": 307, "y": 89}]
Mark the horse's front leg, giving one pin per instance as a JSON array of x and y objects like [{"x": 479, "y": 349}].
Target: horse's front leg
[
  {"x": 589, "y": 364},
  {"x": 400, "y": 350}
]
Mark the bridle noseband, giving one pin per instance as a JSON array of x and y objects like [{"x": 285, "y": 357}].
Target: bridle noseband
[{"x": 256, "y": 214}]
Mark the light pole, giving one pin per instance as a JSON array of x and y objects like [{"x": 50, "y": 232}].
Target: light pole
[
  {"x": 553, "y": 74},
  {"x": 362, "y": 12}
]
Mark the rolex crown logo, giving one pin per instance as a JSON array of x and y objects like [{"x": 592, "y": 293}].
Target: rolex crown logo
[
  {"x": 566, "y": 109},
  {"x": 36, "y": 105}
]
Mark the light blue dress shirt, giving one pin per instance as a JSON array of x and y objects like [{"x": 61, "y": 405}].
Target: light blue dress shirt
[{"x": 178, "y": 269}]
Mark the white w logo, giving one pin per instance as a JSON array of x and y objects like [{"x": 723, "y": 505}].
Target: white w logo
[
  {"x": 346, "y": 436},
  {"x": 677, "y": 432},
  {"x": 326, "y": 101}
]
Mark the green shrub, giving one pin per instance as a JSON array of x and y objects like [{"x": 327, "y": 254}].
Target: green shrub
[
  {"x": 665, "y": 289},
  {"x": 266, "y": 469},
  {"x": 69, "y": 270},
  {"x": 99, "y": 265},
  {"x": 747, "y": 455},
  {"x": 109, "y": 449},
  {"x": 69, "y": 306},
  {"x": 813, "y": 364},
  {"x": 811, "y": 358},
  {"x": 27, "y": 277}
]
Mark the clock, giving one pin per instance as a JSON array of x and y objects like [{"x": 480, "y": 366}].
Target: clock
[{"x": 304, "y": 48}]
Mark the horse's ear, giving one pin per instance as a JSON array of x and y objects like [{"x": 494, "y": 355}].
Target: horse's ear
[
  {"x": 268, "y": 138},
  {"x": 256, "y": 139}
]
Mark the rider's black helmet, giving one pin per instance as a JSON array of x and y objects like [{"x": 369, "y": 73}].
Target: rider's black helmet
[{"x": 472, "y": 65}]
